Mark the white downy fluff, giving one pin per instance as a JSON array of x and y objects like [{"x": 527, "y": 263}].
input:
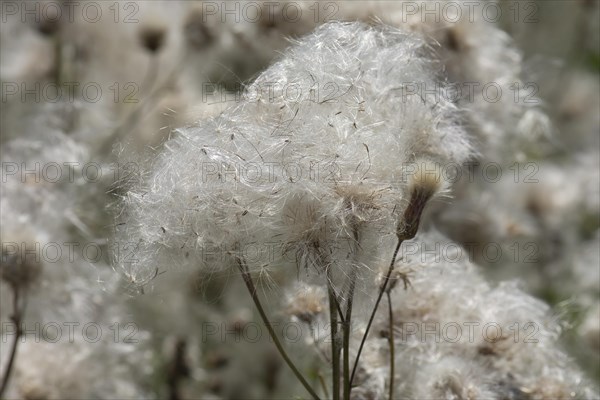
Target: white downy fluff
[
  {"x": 319, "y": 145},
  {"x": 458, "y": 337}
]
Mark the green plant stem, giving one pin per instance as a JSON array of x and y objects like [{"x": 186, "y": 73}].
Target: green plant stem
[
  {"x": 252, "y": 289},
  {"x": 374, "y": 311},
  {"x": 392, "y": 346}
]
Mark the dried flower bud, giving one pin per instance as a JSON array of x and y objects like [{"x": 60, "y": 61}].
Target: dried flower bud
[{"x": 424, "y": 184}]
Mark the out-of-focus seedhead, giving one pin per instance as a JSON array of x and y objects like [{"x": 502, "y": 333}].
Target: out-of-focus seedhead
[
  {"x": 18, "y": 267},
  {"x": 196, "y": 31},
  {"x": 307, "y": 303},
  {"x": 152, "y": 37}
]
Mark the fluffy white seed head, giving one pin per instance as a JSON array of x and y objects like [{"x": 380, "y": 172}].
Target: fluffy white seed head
[
  {"x": 312, "y": 155},
  {"x": 457, "y": 336}
]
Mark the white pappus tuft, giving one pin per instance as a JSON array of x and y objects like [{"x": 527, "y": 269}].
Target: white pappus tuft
[{"x": 311, "y": 160}]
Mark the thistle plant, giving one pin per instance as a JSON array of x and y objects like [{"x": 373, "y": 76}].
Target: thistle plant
[
  {"x": 318, "y": 194},
  {"x": 336, "y": 174}
]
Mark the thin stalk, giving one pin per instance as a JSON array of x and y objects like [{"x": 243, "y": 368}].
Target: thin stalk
[
  {"x": 372, "y": 317},
  {"x": 392, "y": 347},
  {"x": 347, "y": 323},
  {"x": 136, "y": 114},
  {"x": 149, "y": 100},
  {"x": 178, "y": 370},
  {"x": 338, "y": 307},
  {"x": 323, "y": 385},
  {"x": 335, "y": 348},
  {"x": 421, "y": 191},
  {"x": 346, "y": 343},
  {"x": 252, "y": 289},
  {"x": 16, "y": 318}
]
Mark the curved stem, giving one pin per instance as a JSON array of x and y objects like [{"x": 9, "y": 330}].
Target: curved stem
[
  {"x": 372, "y": 317},
  {"x": 150, "y": 99},
  {"x": 323, "y": 385},
  {"x": 251, "y": 288},
  {"x": 391, "y": 341},
  {"x": 16, "y": 318}
]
